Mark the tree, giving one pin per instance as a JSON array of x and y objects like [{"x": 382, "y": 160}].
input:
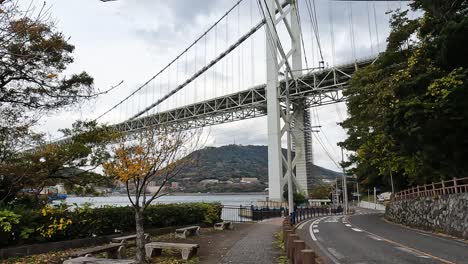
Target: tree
[
  {"x": 408, "y": 111},
  {"x": 34, "y": 57},
  {"x": 71, "y": 161},
  {"x": 321, "y": 192},
  {"x": 149, "y": 156}
]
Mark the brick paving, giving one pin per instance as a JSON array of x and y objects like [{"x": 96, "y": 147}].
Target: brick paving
[{"x": 256, "y": 247}]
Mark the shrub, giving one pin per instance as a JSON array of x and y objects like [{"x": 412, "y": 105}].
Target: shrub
[{"x": 62, "y": 222}]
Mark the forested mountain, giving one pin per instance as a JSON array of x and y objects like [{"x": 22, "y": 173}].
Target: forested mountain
[{"x": 233, "y": 162}]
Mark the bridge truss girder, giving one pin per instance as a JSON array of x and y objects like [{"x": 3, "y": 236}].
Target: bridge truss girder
[{"x": 317, "y": 88}]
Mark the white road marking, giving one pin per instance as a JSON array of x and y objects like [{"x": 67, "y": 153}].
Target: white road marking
[
  {"x": 301, "y": 225},
  {"x": 375, "y": 238},
  {"x": 412, "y": 252},
  {"x": 348, "y": 225},
  {"x": 356, "y": 229},
  {"x": 315, "y": 226},
  {"x": 335, "y": 253},
  {"x": 333, "y": 219},
  {"x": 311, "y": 228},
  {"x": 315, "y": 230}
]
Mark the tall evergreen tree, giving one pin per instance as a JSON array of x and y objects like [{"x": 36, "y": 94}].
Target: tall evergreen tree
[{"x": 409, "y": 111}]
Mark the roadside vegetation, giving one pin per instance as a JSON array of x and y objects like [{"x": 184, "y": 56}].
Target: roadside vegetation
[
  {"x": 20, "y": 226},
  {"x": 408, "y": 111},
  {"x": 282, "y": 257}
]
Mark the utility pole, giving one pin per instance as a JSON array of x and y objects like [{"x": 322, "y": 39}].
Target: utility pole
[
  {"x": 391, "y": 181},
  {"x": 336, "y": 191},
  {"x": 375, "y": 198},
  {"x": 357, "y": 190},
  {"x": 345, "y": 191},
  {"x": 289, "y": 154}
]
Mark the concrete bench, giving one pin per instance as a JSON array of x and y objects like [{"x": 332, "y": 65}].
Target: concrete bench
[
  {"x": 113, "y": 250},
  {"x": 187, "y": 231},
  {"x": 155, "y": 249},
  {"x": 90, "y": 260},
  {"x": 124, "y": 239},
  {"x": 224, "y": 225}
]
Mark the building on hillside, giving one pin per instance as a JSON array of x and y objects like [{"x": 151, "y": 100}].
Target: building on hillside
[
  {"x": 207, "y": 181},
  {"x": 153, "y": 189},
  {"x": 103, "y": 190},
  {"x": 226, "y": 182},
  {"x": 249, "y": 180},
  {"x": 60, "y": 188},
  {"x": 174, "y": 185}
]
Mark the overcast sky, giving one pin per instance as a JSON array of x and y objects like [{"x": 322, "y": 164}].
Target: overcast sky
[{"x": 131, "y": 40}]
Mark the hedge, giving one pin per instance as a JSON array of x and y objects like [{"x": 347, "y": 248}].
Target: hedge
[{"x": 70, "y": 222}]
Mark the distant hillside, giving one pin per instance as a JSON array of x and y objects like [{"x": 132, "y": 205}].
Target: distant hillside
[{"x": 233, "y": 162}]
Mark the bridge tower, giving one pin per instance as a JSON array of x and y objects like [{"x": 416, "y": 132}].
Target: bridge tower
[{"x": 285, "y": 63}]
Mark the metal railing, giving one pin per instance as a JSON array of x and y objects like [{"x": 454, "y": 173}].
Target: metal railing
[
  {"x": 305, "y": 213},
  {"x": 249, "y": 213},
  {"x": 440, "y": 188}
]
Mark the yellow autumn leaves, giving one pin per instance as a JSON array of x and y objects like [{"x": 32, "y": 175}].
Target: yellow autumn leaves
[
  {"x": 132, "y": 162},
  {"x": 57, "y": 223}
]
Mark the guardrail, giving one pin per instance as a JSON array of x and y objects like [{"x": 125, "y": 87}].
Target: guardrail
[
  {"x": 249, "y": 213},
  {"x": 301, "y": 214},
  {"x": 440, "y": 188}
]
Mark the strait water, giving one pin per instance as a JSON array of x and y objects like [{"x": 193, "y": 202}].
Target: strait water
[{"x": 225, "y": 199}]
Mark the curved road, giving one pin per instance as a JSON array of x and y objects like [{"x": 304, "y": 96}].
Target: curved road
[{"x": 366, "y": 238}]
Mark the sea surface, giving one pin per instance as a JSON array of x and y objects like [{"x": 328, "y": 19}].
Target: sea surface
[{"x": 225, "y": 199}]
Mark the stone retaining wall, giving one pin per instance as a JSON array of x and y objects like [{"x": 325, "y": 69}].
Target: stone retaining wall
[{"x": 445, "y": 213}]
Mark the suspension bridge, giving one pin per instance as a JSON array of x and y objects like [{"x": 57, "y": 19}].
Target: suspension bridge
[{"x": 260, "y": 58}]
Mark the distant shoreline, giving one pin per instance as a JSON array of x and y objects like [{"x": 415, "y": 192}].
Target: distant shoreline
[
  {"x": 187, "y": 194},
  {"x": 223, "y": 193}
]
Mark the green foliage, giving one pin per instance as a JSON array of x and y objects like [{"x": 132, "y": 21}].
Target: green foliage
[
  {"x": 8, "y": 219},
  {"x": 279, "y": 243},
  {"x": 408, "y": 111},
  {"x": 62, "y": 222},
  {"x": 71, "y": 162},
  {"x": 321, "y": 192},
  {"x": 298, "y": 198}
]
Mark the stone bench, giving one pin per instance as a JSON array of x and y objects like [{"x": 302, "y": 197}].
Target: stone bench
[
  {"x": 155, "y": 249},
  {"x": 187, "y": 231},
  {"x": 91, "y": 260},
  {"x": 124, "y": 239},
  {"x": 113, "y": 250},
  {"x": 224, "y": 225}
]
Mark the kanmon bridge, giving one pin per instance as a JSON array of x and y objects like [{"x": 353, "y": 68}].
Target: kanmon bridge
[{"x": 262, "y": 58}]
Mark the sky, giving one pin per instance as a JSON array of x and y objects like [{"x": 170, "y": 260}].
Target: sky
[{"x": 132, "y": 40}]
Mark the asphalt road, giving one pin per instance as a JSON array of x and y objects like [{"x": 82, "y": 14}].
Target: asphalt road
[{"x": 367, "y": 238}]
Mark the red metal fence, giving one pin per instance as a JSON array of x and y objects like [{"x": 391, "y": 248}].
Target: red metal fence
[{"x": 444, "y": 187}]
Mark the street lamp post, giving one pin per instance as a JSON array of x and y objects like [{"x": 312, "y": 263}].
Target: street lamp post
[{"x": 345, "y": 189}]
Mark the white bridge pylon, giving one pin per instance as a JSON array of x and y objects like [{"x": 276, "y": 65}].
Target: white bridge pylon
[{"x": 284, "y": 169}]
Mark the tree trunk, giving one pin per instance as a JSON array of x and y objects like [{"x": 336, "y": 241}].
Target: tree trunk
[{"x": 140, "y": 236}]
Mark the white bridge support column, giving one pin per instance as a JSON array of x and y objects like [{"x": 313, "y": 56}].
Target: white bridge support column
[
  {"x": 299, "y": 130},
  {"x": 300, "y": 149},
  {"x": 275, "y": 169}
]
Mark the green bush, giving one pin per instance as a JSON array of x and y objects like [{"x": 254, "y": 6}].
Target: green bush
[{"x": 64, "y": 222}]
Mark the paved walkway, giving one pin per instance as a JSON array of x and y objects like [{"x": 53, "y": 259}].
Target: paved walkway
[{"x": 257, "y": 246}]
